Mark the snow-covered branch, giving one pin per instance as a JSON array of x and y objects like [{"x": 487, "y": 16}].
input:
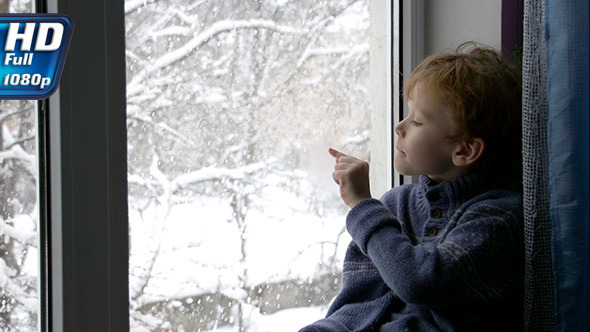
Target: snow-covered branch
[
  {"x": 163, "y": 126},
  {"x": 22, "y": 236},
  {"x": 207, "y": 174},
  {"x": 215, "y": 173},
  {"x": 6, "y": 115},
  {"x": 17, "y": 152},
  {"x": 215, "y": 29},
  {"x": 21, "y": 140},
  {"x": 309, "y": 53},
  {"x": 172, "y": 31},
  {"x": 13, "y": 290},
  {"x": 136, "y": 85},
  {"x": 131, "y": 5}
]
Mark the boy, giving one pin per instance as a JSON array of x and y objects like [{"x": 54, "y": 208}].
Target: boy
[{"x": 447, "y": 253}]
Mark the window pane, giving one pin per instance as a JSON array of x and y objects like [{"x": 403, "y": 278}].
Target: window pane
[
  {"x": 235, "y": 221},
  {"x": 19, "y": 216}
]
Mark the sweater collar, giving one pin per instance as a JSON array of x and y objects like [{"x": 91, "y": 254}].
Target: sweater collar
[{"x": 453, "y": 192}]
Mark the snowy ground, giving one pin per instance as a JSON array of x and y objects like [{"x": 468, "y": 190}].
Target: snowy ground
[
  {"x": 290, "y": 320},
  {"x": 196, "y": 249},
  {"x": 198, "y": 246}
]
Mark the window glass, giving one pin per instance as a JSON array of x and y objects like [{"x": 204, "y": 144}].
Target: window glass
[
  {"x": 19, "y": 215},
  {"x": 235, "y": 221}
]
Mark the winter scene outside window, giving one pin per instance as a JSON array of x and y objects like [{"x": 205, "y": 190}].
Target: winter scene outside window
[
  {"x": 19, "y": 215},
  {"x": 235, "y": 221}
]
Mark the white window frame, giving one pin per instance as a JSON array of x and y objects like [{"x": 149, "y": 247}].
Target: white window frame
[
  {"x": 384, "y": 69},
  {"x": 397, "y": 47}
]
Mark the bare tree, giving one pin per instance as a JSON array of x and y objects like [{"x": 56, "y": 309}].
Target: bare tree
[
  {"x": 223, "y": 94},
  {"x": 18, "y": 302}
]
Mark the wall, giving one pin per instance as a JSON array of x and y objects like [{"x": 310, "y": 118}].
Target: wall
[{"x": 448, "y": 23}]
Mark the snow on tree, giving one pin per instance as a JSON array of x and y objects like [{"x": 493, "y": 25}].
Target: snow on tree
[
  {"x": 231, "y": 106},
  {"x": 18, "y": 217},
  {"x": 227, "y": 104}
]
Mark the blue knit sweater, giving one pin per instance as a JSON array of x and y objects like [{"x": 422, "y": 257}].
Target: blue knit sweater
[{"x": 432, "y": 257}]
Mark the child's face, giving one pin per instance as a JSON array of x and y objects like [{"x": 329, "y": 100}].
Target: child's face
[{"x": 423, "y": 146}]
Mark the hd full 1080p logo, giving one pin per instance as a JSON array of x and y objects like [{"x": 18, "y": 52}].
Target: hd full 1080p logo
[{"x": 34, "y": 48}]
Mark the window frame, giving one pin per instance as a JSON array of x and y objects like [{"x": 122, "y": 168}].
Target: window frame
[
  {"x": 412, "y": 53},
  {"x": 397, "y": 47},
  {"x": 84, "y": 181},
  {"x": 85, "y": 187},
  {"x": 383, "y": 46}
]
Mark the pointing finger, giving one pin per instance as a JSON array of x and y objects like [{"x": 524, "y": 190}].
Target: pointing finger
[{"x": 335, "y": 153}]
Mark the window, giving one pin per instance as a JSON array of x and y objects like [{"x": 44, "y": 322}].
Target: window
[
  {"x": 88, "y": 118},
  {"x": 89, "y": 274},
  {"x": 231, "y": 108},
  {"x": 87, "y": 175},
  {"x": 19, "y": 209},
  {"x": 19, "y": 217}
]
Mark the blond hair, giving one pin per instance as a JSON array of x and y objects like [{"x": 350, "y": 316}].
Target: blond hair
[{"x": 481, "y": 91}]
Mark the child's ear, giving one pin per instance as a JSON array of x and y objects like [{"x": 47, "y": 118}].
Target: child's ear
[{"x": 468, "y": 152}]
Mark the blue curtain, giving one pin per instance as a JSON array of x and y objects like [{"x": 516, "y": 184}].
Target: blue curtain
[{"x": 567, "y": 95}]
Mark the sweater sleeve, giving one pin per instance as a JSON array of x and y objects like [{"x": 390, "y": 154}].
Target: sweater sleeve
[{"x": 477, "y": 258}]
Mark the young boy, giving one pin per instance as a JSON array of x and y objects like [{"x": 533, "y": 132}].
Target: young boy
[{"x": 447, "y": 253}]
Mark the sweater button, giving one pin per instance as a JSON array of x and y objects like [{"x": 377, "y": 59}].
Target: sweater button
[
  {"x": 431, "y": 231},
  {"x": 436, "y": 213}
]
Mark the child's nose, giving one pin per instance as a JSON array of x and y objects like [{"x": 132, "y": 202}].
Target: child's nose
[{"x": 399, "y": 130}]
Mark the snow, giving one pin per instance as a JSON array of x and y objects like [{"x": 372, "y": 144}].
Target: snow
[
  {"x": 282, "y": 2},
  {"x": 24, "y": 229},
  {"x": 265, "y": 222},
  {"x": 289, "y": 320},
  {"x": 183, "y": 246},
  {"x": 17, "y": 152},
  {"x": 354, "y": 18},
  {"x": 197, "y": 248},
  {"x": 200, "y": 245},
  {"x": 131, "y": 5},
  {"x": 136, "y": 86}
]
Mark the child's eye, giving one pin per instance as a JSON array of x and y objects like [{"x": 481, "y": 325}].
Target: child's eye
[{"x": 416, "y": 123}]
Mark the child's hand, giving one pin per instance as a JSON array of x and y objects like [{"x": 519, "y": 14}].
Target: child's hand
[{"x": 352, "y": 175}]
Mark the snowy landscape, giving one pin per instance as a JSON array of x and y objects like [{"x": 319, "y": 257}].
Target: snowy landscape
[
  {"x": 235, "y": 221},
  {"x": 236, "y": 224}
]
